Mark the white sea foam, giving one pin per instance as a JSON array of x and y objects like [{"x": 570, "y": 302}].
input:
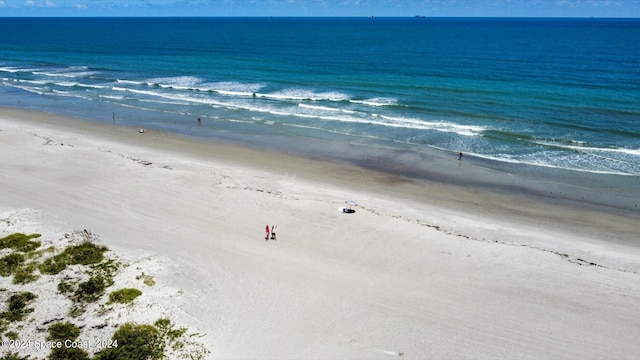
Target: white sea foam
[
  {"x": 176, "y": 82},
  {"x": 66, "y": 84},
  {"x": 380, "y": 120},
  {"x": 176, "y": 97},
  {"x": 555, "y": 160},
  {"x": 325, "y": 113},
  {"x": 10, "y": 69},
  {"x": 634, "y": 152},
  {"x": 65, "y": 74},
  {"x": 38, "y": 91},
  {"x": 95, "y": 86},
  {"x": 34, "y": 82},
  {"x": 444, "y": 126},
  {"x": 111, "y": 97},
  {"x": 301, "y": 94},
  {"x": 232, "y": 88},
  {"x": 75, "y": 83},
  {"x": 377, "y": 101},
  {"x": 184, "y": 98},
  {"x": 131, "y": 82},
  {"x": 144, "y": 92},
  {"x": 240, "y": 121},
  {"x": 233, "y": 93},
  {"x": 71, "y": 94}
]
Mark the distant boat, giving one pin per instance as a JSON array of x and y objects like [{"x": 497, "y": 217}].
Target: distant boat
[{"x": 420, "y": 16}]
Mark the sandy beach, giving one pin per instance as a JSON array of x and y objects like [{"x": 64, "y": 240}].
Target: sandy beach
[{"x": 421, "y": 270}]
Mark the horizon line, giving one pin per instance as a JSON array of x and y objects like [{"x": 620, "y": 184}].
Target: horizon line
[{"x": 321, "y": 17}]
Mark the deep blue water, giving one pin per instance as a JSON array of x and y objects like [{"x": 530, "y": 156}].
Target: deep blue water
[{"x": 559, "y": 93}]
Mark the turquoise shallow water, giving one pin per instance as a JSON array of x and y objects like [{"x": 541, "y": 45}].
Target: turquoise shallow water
[{"x": 552, "y": 93}]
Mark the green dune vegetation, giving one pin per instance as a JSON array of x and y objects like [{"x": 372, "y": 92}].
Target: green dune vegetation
[{"x": 25, "y": 261}]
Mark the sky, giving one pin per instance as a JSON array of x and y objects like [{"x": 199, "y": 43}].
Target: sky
[{"x": 378, "y": 8}]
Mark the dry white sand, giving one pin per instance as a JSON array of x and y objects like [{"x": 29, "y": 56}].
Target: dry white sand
[{"x": 420, "y": 270}]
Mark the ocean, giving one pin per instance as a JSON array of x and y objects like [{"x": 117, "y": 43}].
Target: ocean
[{"x": 540, "y": 93}]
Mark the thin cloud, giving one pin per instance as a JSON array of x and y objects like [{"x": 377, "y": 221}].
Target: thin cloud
[{"x": 40, "y": 4}]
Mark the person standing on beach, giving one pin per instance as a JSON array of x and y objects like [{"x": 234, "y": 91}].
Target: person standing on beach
[
  {"x": 460, "y": 156},
  {"x": 268, "y": 232},
  {"x": 273, "y": 232}
]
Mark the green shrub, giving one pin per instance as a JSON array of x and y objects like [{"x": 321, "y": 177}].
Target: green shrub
[
  {"x": 65, "y": 287},
  {"x": 134, "y": 342},
  {"x": 20, "y": 242},
  {"x": 91, "y": 290},
  {"x": 12, "y": 335},
  {"x": 53, "y": 265},
  {"x": 124, "y": 296},
  {"x": 10, "y": 263},
  {"x": 17, "y": 306},
  {"x": 84, "y": 254},
  {"x": 68, "y": 353},
  {"x": 63, "y": 331},
  {"x": 24, "y": 274}
]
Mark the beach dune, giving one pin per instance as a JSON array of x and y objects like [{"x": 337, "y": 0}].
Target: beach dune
[{"x": 420, "y": 270}]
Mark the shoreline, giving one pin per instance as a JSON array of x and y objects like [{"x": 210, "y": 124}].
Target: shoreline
[
  {"x": 467, "y": 178},
  {"x": 603, "y": 192},
  {"x": 420, "y": 266}
]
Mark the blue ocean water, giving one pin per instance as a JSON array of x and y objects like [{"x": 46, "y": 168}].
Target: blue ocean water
[{"x": 555, "y": 93}]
